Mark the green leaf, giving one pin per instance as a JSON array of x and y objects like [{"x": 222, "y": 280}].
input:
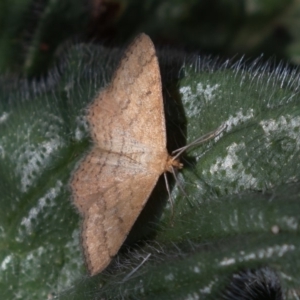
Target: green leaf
[
  {"x": 239, "y": 186},
  {"x": 32, "y": 30}
]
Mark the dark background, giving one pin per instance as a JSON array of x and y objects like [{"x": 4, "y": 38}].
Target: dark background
[{"x": 33, "y": 32}]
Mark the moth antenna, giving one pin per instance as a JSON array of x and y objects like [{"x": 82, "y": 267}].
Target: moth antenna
[{"x": 200, "y": 140}]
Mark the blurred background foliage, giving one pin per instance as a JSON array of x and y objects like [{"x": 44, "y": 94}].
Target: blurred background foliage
[
  {"x": 33, "y": 31},
  {"x": 35, "y": 36}
]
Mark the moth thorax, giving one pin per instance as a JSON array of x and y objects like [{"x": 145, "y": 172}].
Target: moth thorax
[{"x": 173, "y": 163}]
